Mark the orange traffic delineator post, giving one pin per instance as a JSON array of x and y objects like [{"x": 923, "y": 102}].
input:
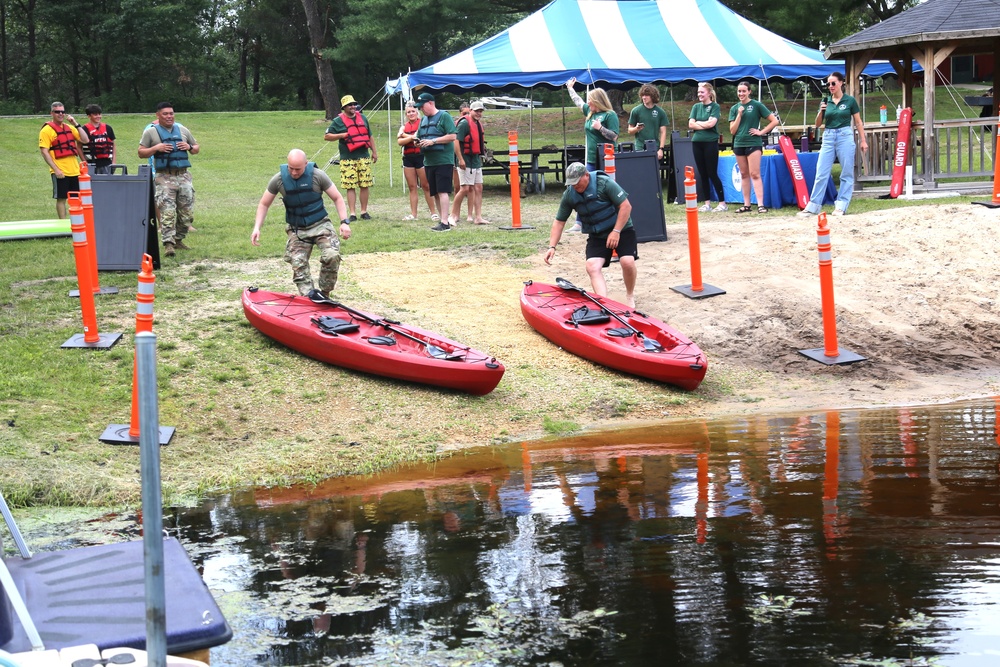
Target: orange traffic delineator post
[
  {"x": 609, "y": 161},
  {"x": 90, "y": 336},
  {"x": 830, "y": 354},
  {"x": 996, "y": 179},
  {"x": 697, "y": 289},
  {"x": 128, "y": 434},
  {"x": 515, "y": 185},
  {"x": 86, "y": 195}
]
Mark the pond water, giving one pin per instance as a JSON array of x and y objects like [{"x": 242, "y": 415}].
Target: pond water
[{"x": 832, "y": 538}]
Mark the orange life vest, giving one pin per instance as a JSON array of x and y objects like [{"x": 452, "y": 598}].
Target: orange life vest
[
  {"x": 473, "y": 143},
  {"x": 65, "y": 143},
  {"x": 412, "y": 148},
  {"x": 357, "y": 132},
  {"x": 100, "y": 143}
]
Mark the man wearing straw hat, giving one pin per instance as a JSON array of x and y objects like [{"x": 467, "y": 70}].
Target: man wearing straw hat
[{"x": 354, "y": 135}]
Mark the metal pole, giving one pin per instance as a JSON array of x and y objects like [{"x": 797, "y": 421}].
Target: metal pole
[
  {"x": 152, "y": 504},
  {"x": 12, "y": 527}
]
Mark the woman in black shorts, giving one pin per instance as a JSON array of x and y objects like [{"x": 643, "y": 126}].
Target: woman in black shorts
[{"x": 413, "y": 163}]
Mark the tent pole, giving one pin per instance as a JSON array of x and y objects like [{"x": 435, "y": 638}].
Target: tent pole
[
  {"x": 672, "y": 114},
  {"x": 388, "y": 123},
  {"x": 531, "y": 119}
]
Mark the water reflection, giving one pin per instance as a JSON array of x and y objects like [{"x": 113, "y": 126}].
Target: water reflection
[{"x": 830, "y": 538}]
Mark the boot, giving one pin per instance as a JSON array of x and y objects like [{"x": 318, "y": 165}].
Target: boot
[{"x": 168, "y": 250}]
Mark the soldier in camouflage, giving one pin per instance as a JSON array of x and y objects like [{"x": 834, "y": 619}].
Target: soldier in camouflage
[{"x": 301, "y": 185}]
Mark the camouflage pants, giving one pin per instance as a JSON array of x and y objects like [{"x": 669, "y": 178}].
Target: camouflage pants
[
  {"x": 299, "y": 248},
  {"x": 175, "y": 203}
]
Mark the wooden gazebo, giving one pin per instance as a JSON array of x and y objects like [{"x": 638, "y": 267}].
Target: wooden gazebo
[{"x": 927, "y": 33}]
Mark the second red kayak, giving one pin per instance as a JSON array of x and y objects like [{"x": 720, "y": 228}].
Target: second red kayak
[
  {"x": 342, "y": 336},
  {"x": 613, "y": 335}
]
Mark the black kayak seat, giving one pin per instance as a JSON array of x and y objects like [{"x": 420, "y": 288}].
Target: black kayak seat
[
  {"x": 335, "y": 325},
  {"x": 585, "y": 315}
]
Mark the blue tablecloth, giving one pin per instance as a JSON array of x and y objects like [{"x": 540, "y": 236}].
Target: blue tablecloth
[{"x": 778, "y": 190}]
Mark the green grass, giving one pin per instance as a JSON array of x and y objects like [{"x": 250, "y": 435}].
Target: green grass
[{"x": 249, "y": 411}]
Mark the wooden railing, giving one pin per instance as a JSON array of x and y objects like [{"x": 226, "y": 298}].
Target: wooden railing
[{"x": 965, "y": 150}]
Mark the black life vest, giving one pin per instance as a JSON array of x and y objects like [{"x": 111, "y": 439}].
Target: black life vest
[
  {"x": 303, "y": 205},
  {"x": 175, "y": 159},
  {"x": 100, "y": 146},
  {"x": 65, "y": 143},
  {"x": 596, "y": 215},
  {"x": 357, "y": 132},
  {"x": 473, "y": 143},
  {"x": 430, "y": 129},
  {"x": 412, "y": 148}
]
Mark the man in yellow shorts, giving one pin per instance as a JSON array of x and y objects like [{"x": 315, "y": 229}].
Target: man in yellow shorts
[{"x": 351, "y": 129}]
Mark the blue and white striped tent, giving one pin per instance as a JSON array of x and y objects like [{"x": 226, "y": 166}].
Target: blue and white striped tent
[{"x": 623, "y": 43}]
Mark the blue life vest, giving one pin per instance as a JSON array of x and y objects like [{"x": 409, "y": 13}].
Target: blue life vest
[
  {"x": 597, "y": 216},
  {"x": 303, "y": 205},
  {"x": 430, "y": 129},
  {"x": 175, "y": 159}
]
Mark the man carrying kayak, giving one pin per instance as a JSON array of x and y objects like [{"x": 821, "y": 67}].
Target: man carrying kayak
[
  {"x": 606, "y": 216},
  {"x": 301, "y": 185}
]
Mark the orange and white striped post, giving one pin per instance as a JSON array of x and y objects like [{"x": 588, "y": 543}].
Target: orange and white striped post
[
  {"x": 830, "y": 354},
  {"x": 697, "y": 289},
  {"x": 515, "y": 184},
  {"x": 609, "y": 161},
  {"x": 81, "y": 254},
  {"x": 144, "y": 298},
  {"x": 86, "y": 194},
  {"x": 996, "y": 179}
]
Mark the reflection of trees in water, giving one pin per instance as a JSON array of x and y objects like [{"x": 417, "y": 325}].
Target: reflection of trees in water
[{"x": 850, "y": 517}]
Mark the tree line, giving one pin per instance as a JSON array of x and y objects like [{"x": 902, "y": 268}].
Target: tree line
[{"x": 207, "y": 55}]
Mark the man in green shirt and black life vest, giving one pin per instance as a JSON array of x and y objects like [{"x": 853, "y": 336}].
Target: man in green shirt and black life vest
[
  {"x": 169, "y": 144},
  {"x": 606, "y": 216},
  {"x": 301, "y": 185}
]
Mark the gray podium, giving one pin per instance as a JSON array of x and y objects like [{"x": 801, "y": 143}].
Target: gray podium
[
  {"x": 124, "y": 219},
  {"x": 638, "y": 172}
]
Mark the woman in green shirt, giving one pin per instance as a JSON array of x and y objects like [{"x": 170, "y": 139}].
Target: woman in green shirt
[
  {"x": 704, "y": 120},
  {"x": 748, "y": 145},
  {"x": 600, "y": 124},
  {"x": 838, "y": 143}
]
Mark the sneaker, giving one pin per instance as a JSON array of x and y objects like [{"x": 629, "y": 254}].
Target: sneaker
[
  {"x": 435, "y": 217},
  {"x": 721, "y": 207},
  {"x": 168, "y": 249},
  {"x": 705, "y": 209},
  {"x": 838, "y": 211},
  {"x": 576, "y": 228},
  {"x": 441, "y": 227},
  {"x": 365, "y": 216},
  {"x": 804, "y": 214},
  {"x": 353, "y": 218},
  {"x": 316, "y": 296},
  {"x": 180, "y": 245},
  {"x": 409, "y": 217}
]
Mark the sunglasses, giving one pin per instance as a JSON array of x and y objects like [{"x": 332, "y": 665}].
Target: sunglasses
[
  {"x": 60, "y": 111},
  {"x": 832, "y": 83}
]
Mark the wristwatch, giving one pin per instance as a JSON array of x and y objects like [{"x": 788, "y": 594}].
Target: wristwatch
[{"x": 346, "y": 221}]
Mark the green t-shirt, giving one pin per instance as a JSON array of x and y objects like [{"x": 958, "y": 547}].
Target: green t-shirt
[
  {"x": 654, "y": 119},
  {"x": 753, "y": 113},
  {"x": 441, "y": 154},
  {"x": 337, "y": 126},
  {"x": 839, "y": 115},
  {"x": 471, "y": 161},
  {"x": 609, "y": 119},
  {"x": 702, "y": 112},
  {"x": 607, "y": 190}
]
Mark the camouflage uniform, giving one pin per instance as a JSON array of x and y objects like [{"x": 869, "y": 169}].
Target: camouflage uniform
[
  {"x": 175, "y": 202},
  {"x": 299, "y": 247}
]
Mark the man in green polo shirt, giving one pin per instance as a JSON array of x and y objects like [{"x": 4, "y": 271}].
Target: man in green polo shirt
[
  {"x": 606, "y": 216},
  {"x": 648, "y": 122}
]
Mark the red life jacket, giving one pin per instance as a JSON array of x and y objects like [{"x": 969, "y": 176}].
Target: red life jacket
[
  {"x": 473, "y": 143},
  {"x": 65, "y": 143},
  {"x": 100, "y": 146},
  {"x": 412, "y": 148},
  {"x": 357, "y": 132}
]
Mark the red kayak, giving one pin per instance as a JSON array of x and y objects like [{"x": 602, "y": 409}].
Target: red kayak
[
  {"x": 611, "y": 334},
  {"x": 342, "y": 336}
]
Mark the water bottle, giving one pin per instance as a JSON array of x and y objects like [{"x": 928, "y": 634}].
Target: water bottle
[
  {"x": 882, "y": 114},
  {"x": 899, "y": 112}
]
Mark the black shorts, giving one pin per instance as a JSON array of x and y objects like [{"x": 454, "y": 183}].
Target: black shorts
[
  {"x": 413, "y": 161},
  {"x": 746, "y": 150},
  {"x": 63, "y": 186},
  {"x": 439, "y": 178},
  {"x": 627, "y": 245}
]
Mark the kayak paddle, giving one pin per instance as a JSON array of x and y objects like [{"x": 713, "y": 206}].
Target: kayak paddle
[{"x": 648, "y": 343}]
